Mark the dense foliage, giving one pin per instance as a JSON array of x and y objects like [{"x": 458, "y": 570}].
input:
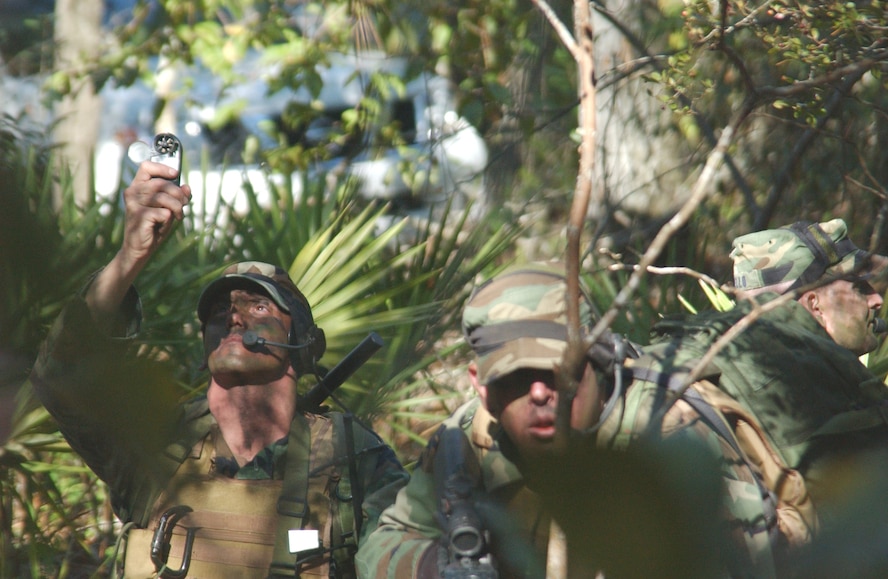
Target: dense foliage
[{"x": 802, "y": 85}]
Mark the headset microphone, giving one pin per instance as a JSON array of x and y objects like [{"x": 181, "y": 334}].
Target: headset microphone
[
  {"x": 880, "y": 326},
  {"x": 252, "y": 341}
]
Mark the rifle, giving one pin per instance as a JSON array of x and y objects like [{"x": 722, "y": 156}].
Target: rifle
[
  {"x": 311, "y": 401},
  {"x": 465, "y": 552}
]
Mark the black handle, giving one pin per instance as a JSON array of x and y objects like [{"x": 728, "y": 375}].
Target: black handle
[{"x": 333, "y": 379}]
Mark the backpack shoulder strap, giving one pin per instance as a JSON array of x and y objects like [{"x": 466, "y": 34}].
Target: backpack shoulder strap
[
  {"x": 673, "y": 382},
  {"x": 350, "y": 520},
  {"x": 292, "y": 505},
  {"x": 716, "y": 421},
  {"x": 354, "y": 442}
]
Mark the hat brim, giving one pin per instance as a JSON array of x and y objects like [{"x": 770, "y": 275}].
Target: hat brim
[
  {"x": 861, "y": 265},
  {"x": 521, "y": 353},
  {"x": 877, "y": 272},
  {"x": 238, "y": 281}
]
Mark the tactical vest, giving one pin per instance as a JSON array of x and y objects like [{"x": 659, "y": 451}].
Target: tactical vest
[{"x": 228, "y": 527}]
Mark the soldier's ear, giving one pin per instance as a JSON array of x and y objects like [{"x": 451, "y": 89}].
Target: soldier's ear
[
  {"x": 810, "y": 300},
  {"x": 480, "y": 388}
]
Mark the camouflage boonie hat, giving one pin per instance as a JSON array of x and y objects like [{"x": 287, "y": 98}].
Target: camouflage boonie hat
[
  {"x": 518, "y": 320},
  {"x": 796, "y": 255},
  {"x": 253, "y": 275}
]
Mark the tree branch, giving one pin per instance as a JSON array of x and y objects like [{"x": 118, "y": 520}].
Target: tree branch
[
  {"x": 658, "y": 64},
  {"x": 560, "y": 29},
  {"x": 675, "y": 270},
  {"x": 701, "y": 188},
  {"x": 854, "y": 70}
]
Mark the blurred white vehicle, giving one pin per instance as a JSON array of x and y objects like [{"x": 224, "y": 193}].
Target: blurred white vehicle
[
  {"x": 432, "y": 156},
  {"x": 436, "y": 154}
]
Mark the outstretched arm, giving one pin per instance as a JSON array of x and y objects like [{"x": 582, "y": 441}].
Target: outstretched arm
[{"x": 114, "y": 408}]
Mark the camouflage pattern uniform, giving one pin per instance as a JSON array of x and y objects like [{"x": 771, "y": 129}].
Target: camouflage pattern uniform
[
  {"x": 799, "y": 406},
  {"x": 797, "y": 402},
  {"x": 409, "y": 530},
  {"x": 120, "y": 413},
  {"x": 821, "y": 408},
  {"x": 766, "y": 509},
  {"x": 516, "y": 322}
]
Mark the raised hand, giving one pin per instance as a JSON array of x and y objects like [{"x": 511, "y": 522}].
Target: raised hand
[{"x": 153, "y": 205}]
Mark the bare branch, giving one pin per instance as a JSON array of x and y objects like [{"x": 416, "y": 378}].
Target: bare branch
[
  {"x": 582, "y": 49},
  {"x": 747, "y": 20},
  {"x": 573, "y": 363},
  {"x": 675, "y": 270},
  {"x": 881, "y": 193},
  {"x": 701, "y": 188},
  {"x": 853, "y": 70},
  {"x": 560, "y": 29}
]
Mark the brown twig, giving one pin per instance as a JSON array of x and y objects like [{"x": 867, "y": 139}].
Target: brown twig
[
  {"x": 675, "y": 270},
  {"x": 582, "y": 48}
]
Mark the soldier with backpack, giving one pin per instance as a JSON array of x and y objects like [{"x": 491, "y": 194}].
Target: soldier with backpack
[
  {"x": 241, "y": 482},
  {"x": 506, "y": 321},
  {"x": 541, "y": 508},
  {"x": 808, "y": 415},
  {"x": 822, "y": 409}
]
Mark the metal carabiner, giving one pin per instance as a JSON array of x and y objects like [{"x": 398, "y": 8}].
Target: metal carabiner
[{"x": 160, "y": 543}]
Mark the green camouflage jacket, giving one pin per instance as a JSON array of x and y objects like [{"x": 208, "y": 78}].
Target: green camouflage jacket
[
  {"x": 120, "y": 413},
  {"x": 765, "y": 510},
  {"x": 410, "y": 526}
]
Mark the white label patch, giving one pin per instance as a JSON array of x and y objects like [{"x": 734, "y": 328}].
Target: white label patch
[{"x": 302, "y": 540}]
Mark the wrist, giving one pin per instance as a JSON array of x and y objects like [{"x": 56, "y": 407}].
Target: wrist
[{"x": 109, "y": 288}]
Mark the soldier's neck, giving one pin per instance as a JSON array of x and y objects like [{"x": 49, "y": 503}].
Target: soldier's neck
[{"x": 252, "y": 417}]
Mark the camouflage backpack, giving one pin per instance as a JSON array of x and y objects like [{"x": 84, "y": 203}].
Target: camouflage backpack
[
  {"x": 787, "y": 394},
  {"x": 768, "y": 399},
  {"x": 784, "y": 369},
  {"x": 766, "y": 508}
]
